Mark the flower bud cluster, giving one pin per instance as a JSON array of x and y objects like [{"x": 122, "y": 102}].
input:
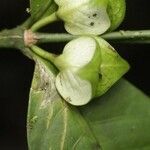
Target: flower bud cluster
[{"x": 88, "y": 65}]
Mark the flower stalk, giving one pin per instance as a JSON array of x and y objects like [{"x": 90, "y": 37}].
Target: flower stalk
[
  {"x": 42, "y": 53},
  {"x": 44, "y": 21},
  {"x": 141, "y": 37}
]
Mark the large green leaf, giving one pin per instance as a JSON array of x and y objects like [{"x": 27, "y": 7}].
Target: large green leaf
[
  {"x": 42, "y": 8},
  {"x": 52, "y": 124},
  {"x": 119, "y": 120}
]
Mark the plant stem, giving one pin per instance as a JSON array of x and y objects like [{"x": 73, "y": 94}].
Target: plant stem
[
  {"x": 43, "y": 22},
  {"x": 44, "y": 54},
  {"x": 141, "y": 36},
  {"x": 12, "y": 38},
  {"x": 54, "y": 37}
]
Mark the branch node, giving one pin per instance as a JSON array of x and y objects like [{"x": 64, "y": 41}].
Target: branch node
[{"x": 29, "y": 38}]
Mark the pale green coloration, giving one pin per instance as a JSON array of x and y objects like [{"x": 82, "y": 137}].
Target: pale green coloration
[
  {"x": 79, "y": 70},
  {"x": 88, "y": 68},
  {"x": 84, "y": 16},
  {"x": 73, "y": 89},
  {"x": 116, "y": 11},
  {"x": 91, "y": 16},
  {"x": 77, "y": 53},
  {"x": 52, "y": 124},
  {"x": 112, "y": 68}
]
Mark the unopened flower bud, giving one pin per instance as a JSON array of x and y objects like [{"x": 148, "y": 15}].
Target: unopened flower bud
[
  {"x": 88, "y": 67},
  {"x": 79, "y": 70},
  {"x": 90, "y": 16}
]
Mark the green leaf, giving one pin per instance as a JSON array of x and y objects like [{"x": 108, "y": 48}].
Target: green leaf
[
  {"x": 120, "y": 119},
  {"x": 42, "y": 8},
  {"x": 52, "y": 123}
]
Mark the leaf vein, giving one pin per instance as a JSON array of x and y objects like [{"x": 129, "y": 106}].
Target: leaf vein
[{"x": 64, "y": 130}]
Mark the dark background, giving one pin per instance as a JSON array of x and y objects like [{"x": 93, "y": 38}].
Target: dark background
[{"x": 16, "y": 70}]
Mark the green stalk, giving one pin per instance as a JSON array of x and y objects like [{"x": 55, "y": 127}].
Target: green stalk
[
  {"x": 12, "y": 38},
  {"x": 42, "y": 53},
  {"x": 140, "y": 37},
  {"x": 44, "y": 21},
  {"x": 54, "y": 37}
]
